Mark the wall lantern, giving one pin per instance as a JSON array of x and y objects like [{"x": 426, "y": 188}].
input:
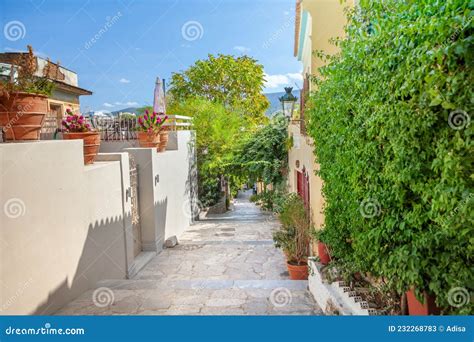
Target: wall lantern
[{"x": 288, "y": 102}]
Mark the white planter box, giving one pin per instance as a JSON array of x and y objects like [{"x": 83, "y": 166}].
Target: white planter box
[{"x": 335, "y": 298}]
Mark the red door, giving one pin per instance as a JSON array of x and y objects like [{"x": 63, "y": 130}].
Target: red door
[
  {"x": 299, "y": 183},
  {"x": 302, "y": 186}
]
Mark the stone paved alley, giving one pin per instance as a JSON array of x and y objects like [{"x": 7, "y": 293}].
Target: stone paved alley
[{"x": 224, "y": 265}]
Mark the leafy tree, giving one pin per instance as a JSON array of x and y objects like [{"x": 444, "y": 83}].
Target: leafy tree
[
  {"x": 390, "y": 120},
  {"x": 235, "y": 82},
  {"x": 263, "y": 156},
  {"x": 218, "y": 134}
]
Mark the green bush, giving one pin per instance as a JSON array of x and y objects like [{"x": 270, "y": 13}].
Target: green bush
[
  {"x": 273, "y": 200},
  {"x": 390, "y": 120},
  {"x": 263, "y": 156}
]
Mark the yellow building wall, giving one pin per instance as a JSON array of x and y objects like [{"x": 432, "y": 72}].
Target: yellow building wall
[
  {"x": 327, "y": 20},
  {"x": 57, "y": 106},
  {"x": 302, "y": 154}
]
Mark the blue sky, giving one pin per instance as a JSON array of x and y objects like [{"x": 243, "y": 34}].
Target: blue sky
[{"x": 137, "y": 40}]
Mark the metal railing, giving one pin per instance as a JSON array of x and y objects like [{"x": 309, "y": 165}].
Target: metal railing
[{"x": 118, "y": 129}]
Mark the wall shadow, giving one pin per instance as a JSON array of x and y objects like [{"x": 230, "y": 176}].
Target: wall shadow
[{"x": 102, "y": 257}]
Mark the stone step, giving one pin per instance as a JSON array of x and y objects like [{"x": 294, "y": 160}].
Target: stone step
[
  {"x": 195, "y": 284},
  {"x": 195, "y": 297}
]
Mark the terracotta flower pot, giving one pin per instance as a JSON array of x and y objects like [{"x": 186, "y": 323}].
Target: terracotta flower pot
[
  {"x": 298, "y": 272},
  {"x": 22, "y": 115},
  {"x": 163, "y": 141},
  {"x": 416, "y": 308},
  {"x": 324, "y": 256},
  {"x": 91, "y": 144},
  {"x": 146, "y": 139}
]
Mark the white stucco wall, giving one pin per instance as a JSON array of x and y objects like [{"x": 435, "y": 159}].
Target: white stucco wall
[
  {"x": 167, "y": 190},
  {"x": 65, "y": 226},
  {"x": 176, "y": 184},
  {"x": 61, "y": 227}
]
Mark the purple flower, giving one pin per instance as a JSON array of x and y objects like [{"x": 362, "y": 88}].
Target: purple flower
[
  {"x": 69, "y": 119},
  {"x": 146, "y": 111}
]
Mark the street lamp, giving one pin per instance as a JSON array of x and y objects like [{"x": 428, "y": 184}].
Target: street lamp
[{"x": 288, "y": 102}]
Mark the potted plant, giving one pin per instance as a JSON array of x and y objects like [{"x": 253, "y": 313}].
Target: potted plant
[
  {"x": 294, "y": 236},
  {"x": 323, "y": 250},
  {"x": 163, "y": 137},
  {"x": 23, "y": 99},
  {"x": 423, "y": 307},
  {"x": 76, "y": 127},
  {"x": 149, "y": 127}
]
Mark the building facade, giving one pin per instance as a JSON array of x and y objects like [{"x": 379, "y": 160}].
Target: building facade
[
  {"x": 316, "y": 23},
  {"x": 65, "y": 94}
]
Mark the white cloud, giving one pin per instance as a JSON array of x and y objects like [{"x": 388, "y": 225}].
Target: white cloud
[
  {"x": 124, "y": 80},
  {"x": 101, "y": 112},
  {"x": 106, "y": 104},
  {"x": 281, "y": 80},
  {"x": 129, "y": 103},
  {"x": 242, "y": 49},
  {"x": 9, "y": 49},
  {"x": 295, "y": 76},
  {"x": 276, "y": 81}
]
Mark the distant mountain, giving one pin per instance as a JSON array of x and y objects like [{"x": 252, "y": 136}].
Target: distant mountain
[
  {"x": 275, "y": 104},
  {"x": 133, "y": 110},
  {"x": 97, "y": 113},
  {"x": 273, "y": 98}
]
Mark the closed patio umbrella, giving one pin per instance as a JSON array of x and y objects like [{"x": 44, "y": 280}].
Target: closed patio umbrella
[{"x": 159, "y": 103}]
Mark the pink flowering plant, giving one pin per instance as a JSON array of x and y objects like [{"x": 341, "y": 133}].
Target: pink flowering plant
[
  {"x": 75, "y": 123},
  {"x": 151, "y": 123}
]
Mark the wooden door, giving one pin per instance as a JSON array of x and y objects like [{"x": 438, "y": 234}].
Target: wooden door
[
  {"x": 302, "y": 186},
  {"x": 136, "y": 227}
]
